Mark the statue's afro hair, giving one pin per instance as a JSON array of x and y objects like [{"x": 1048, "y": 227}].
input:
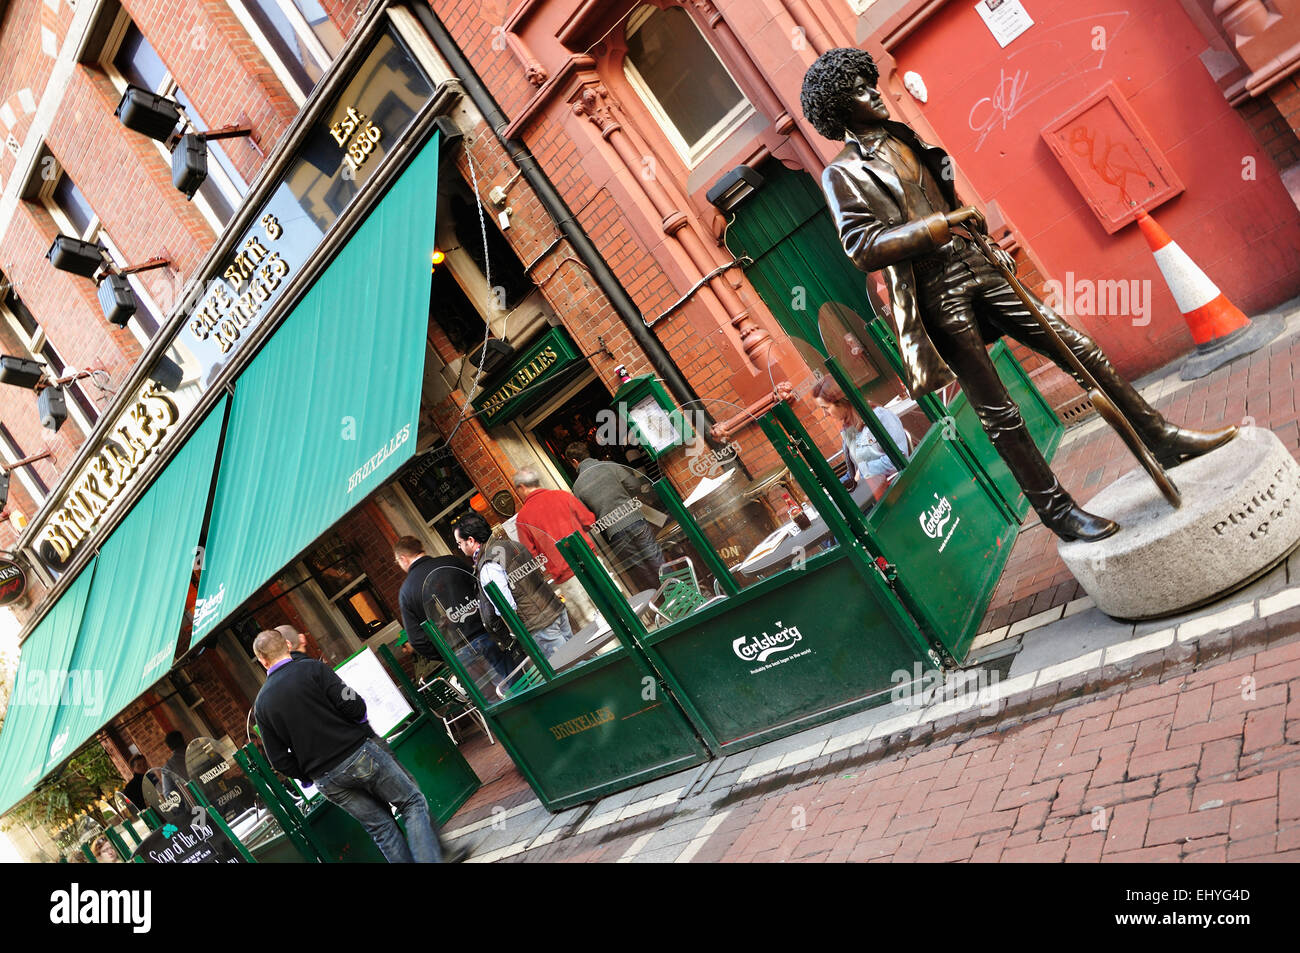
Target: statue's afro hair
[{"x": 828, "y": 87}]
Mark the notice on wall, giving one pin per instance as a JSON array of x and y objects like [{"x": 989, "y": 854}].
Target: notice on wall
[
  {"x": 386, "y": 706},
  {"x": 1006, "y": 19}
]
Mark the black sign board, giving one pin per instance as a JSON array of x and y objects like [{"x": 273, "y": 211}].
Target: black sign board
[
  {"x": 198, "y": 842},
  {"x": 13, "y": 582}
]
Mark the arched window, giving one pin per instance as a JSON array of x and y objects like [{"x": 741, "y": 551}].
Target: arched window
[{"x": 681, "y": 79}]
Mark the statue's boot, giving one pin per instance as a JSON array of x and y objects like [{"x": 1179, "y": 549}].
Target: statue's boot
[
  {"x": 1169, "y": 444},
  {"x": 1055, "y": 507}
]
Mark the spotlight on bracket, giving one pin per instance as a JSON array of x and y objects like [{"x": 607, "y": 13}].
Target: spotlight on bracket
[
  {"x": 190, "y": 156},
  {"x": 75, "y": 256},
  {"x": 148, "y": 113},
  {"x": 52, "y": 406},
  {"x": 116, "y": 298},
  {"x": 20, "y": 372}
]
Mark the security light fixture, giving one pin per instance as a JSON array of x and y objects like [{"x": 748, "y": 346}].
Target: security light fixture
[
  {"x": 20, "y": 372},
  {"x": 190, "y": 156},
  {"x": 491, "y": 356},
  {"x": 75, "y": 256},
  {"x": 116, "y": 299},
  {"x": 52, "y": 406},
  {"x": 733, "y": 187},
  {"x": 4, "y": 487},
  {"x": 8, "y": 468},
  {"x": 145, "y": 112}
]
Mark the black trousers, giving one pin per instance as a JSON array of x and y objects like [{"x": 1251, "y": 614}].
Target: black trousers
[{"x": 966, "y": 304}]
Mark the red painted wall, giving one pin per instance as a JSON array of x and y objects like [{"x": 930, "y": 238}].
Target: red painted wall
[{"x": 989, "y": 105}]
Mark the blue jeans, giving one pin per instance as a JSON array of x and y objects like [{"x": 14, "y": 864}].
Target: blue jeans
[
  {"x": 499, "y": 661},
  {"x": 365, "y": 784},
  {"x": 554, "y": 635}
]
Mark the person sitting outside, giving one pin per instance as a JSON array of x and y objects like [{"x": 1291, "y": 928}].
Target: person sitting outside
[
  {"x": 862, "y": 452},
  {"x": 546, "y": 517},
  {"x": 521, "y": 578}
]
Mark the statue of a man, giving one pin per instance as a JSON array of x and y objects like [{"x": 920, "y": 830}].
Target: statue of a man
[{"x": 893, "y": 199}]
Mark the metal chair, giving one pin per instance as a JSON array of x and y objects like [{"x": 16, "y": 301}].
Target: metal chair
[
  {"x": 515, "y": 682},
  {"x": 679, "y": 592},
  {"x": 452, "y": 705}
]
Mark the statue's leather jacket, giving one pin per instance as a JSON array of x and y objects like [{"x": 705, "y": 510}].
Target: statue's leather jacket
[{"x": 880, "y": 232}]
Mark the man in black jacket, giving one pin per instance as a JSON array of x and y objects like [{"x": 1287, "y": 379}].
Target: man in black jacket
[
  {"x": 314, "y": 729},
  {"x": 456, "y": 591}
]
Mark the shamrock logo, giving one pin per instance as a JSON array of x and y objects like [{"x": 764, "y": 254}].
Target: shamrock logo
[{"x": 169, "y": 830}]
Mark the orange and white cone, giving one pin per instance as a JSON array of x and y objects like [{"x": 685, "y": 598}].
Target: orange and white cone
[{"x": 1219, "y": 328}]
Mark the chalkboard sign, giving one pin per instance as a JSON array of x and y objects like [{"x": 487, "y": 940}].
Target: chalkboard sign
[{"x": 198, "y": 842}]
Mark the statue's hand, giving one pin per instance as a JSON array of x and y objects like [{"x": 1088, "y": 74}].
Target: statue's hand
[
  {"x": 1006, "y": 258},
  {"x": 968, "y": 213}
]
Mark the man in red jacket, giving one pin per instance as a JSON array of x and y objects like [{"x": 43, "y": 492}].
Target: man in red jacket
[{"x": 546, "y": 517}]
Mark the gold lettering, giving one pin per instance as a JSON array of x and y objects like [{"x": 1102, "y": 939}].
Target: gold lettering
[
  {"x": 104, "y": 476},
  {"x": 160, "y": 408},
  {"x": 272, "y": 225},
  {"x": 256, "y": 250},
  {"x": 233, "y": 276},
  {"x": 57, "y": 543},
  {"x": 280, "y": 266}
]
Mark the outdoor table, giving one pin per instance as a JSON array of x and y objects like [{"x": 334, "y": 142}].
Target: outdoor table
[
  {"x": 588, "y": 641},
  {"x": 863, "y": 494}
]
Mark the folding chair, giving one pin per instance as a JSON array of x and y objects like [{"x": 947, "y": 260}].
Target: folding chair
[
  {"x": 679, "y": 592},
  {"x": 451, "y": 706},
  {"x": 515, "y": 682}
]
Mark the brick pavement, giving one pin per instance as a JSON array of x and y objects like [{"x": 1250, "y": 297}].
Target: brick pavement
[
  {"x": 1194, "y": 756},
  {"x": 1257, "y": 389}
]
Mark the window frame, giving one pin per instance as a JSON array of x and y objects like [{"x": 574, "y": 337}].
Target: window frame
[
  {"x": 301, "y": 28},
  {"x": 12, "y": 453},
  {"x": 231, "y": 190},
  {"x": 691, "y": 155}
]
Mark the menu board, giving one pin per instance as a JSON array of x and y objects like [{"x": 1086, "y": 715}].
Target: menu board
[{"x": 386, "y": 706}]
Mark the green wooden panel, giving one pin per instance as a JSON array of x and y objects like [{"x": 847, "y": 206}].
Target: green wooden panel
[
  {"x": 949, "y": 540},
  {"x": 437, "y": 765},
  {"x": 607, "y": 728},
  {"x": 1044, "y": 426},
  {"x": 341, "y": 835},
  {"x": 832, "y": 650}
]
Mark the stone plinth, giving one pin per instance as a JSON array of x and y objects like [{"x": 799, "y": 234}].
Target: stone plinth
[{"x": 1240, "y": 517}]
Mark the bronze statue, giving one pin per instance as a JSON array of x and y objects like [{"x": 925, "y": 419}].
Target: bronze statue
[{"x": 896, "y": 208}]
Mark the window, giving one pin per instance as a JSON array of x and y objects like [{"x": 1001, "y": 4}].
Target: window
[
  {"x": 83, "y": 410},
  {"x": 28, "y": 476},
  {"x": 684, "y": 84},
  {"x": 296, "y": 37},
  {"x": 336, "y": 566},
  {"x": 130, "y": 59},
  {"x": 74, "y": 216}
]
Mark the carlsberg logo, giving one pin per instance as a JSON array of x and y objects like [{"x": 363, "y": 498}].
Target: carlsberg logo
[
  {"x": 936, "y": 517},
  {"x": 759, "y": 648}
]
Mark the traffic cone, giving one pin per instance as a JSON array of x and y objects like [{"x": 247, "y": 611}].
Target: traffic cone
[{"x": 1219, "y": 328}]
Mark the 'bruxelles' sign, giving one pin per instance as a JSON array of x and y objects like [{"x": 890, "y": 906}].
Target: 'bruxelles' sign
[
  {"x": 524, "y": 382},
  {"x": 104, "y": 478}
]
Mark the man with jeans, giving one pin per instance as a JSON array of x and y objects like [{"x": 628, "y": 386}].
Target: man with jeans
[
  {"x": 520, "y": 576},
  {"x": 314, "y": 729}
]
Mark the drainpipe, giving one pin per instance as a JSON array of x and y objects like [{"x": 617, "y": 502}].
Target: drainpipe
[{"x": 559, "y": 211}]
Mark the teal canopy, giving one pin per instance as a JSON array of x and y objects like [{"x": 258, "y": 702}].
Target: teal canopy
[
  {"x": 328, "y": 410},
  {"x": 42, "y": 683},
  {"x": 133, "y": 617}
]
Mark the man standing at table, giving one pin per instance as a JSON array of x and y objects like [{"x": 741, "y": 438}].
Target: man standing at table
[
  {"x": 609, "y": 490},
  {"x": 546, "y": 517},
  {"x": 314, "y": 728}
]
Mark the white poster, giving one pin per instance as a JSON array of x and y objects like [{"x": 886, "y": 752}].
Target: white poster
[
  {"x": 1006, "y": 19},
  {"x": 386, "y": 706}
]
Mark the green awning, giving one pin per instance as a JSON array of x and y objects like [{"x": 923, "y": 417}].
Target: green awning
[
  {"x": 38, "y": 689},
  {"x": 328, "y": 410},
  {"x": 136, "y": 607}
]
